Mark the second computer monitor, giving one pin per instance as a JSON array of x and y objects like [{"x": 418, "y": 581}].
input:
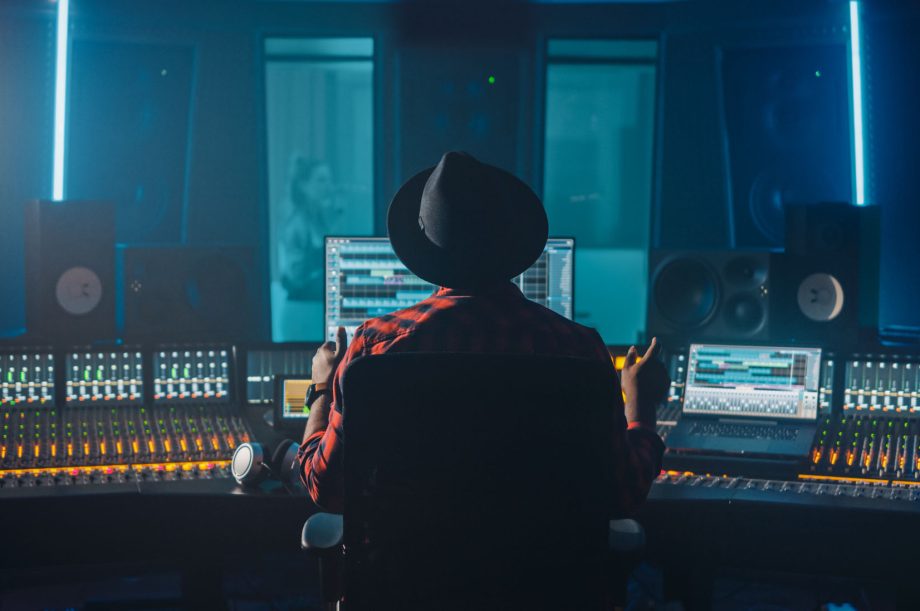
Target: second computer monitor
[{"x": 365, "y": 279}]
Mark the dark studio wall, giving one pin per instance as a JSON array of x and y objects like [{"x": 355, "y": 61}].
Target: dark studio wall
[
  {"x": 198, "y": 173},
  {"x": 27, "y": 35}
]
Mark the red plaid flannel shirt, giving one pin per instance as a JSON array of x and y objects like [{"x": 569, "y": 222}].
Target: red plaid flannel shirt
[{"x": 501, "y": 321}]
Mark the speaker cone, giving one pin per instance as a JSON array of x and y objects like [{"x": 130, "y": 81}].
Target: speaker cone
[
  {"x": 744, "y": 314},
  {"x": 686, "y": 292},
  {"x": 745, "y": 272}
]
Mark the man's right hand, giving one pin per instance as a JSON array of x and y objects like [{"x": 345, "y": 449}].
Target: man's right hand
[{"x": 645, "y": 382}]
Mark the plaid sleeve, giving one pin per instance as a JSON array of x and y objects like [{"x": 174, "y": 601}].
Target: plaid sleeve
[{"x": 321, "y": 454}]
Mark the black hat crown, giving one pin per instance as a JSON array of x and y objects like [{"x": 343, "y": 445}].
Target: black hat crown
[{"x": 466, "y": 224}]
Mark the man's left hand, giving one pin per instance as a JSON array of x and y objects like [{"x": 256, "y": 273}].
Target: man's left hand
[{"x": 327, "y": 358}]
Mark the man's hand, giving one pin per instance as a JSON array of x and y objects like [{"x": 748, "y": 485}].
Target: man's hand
[
  {"x": 325, "y": 362},
  {"x": 327, "y": 358},
  {"x": 645, "y": 383}
]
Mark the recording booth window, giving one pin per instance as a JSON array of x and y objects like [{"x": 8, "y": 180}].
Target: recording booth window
[
  {"x": 600, "y": 125},
  {"x": 319, "y": 135}
]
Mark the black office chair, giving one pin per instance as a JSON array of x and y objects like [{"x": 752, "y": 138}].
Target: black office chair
[{"x": 474, "y": 482}]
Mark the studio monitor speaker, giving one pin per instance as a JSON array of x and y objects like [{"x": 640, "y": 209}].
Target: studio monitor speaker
[
  {"x": 187, "y": 293},
  {"x": 709, "y": 295},
  {"x": 787, "y": 126},
  {"x": 825, "y": 285},
  {"x": 69, "y": 269}
]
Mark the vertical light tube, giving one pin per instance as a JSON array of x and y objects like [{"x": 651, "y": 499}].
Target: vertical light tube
[
  {"x": 855, "y": 63},
  {"x": 60, "y": 99}
]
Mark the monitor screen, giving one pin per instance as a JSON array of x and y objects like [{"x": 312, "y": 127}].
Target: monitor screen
[
  {"x": 191, "y": 374},
  {"x": 112, "y": 377},
  {"x": 263, "y": 365},
  {"x": 27, "y": 378},
  {"x": 365, "y": 279},
  {"x": 293, "y": 392},
  {"x": 760, "y": 381}
]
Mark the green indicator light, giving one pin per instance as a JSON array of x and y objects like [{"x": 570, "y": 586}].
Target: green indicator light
[
  {"x": 817, "y": 74},
  {"x": 9, "y": 376},
  {"x": 175, "y": 372},
  {"x": 99, "y": 374},
  {"x": 491, "y": 80},
  {"x": 186, "y": 373},
  {"x": 86, "y": 375},
  {"x": 22, "y": 376}
]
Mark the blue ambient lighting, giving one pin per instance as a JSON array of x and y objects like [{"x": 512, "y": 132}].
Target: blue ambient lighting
[
  {"x": 857, "y": 105},
  {"x": 60, "y": 99}
]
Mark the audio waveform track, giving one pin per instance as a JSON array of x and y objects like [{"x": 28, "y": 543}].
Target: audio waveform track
[{"x": 365, "y": 279}]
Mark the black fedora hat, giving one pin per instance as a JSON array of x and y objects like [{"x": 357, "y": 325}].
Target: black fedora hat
[{"x": 466, "y": 224}]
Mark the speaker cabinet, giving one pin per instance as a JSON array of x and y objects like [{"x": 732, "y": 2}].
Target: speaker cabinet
[
  {"x": 825, "y": 285},
  {"x": 717, "y": 295},
  {"x": 787, "y": 125},
  {"x": 187, "y": 293},
  {"x": 69, "y": 265}
]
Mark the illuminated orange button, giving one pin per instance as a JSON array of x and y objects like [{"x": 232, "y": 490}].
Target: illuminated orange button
[
  {"x": 214, "y": 443},
  {"x": 167, "y": 445},
  {"x": 835, "y": 454},
  {"x": 135, "y": 447},
  {"x": 851, "y": 457},
  {"x": 151, "y": 446},
  {"x": 200, "y": 444},
  {"x": 183, "y": 444},
  {"x": 85, "y": 448},
  {"x": 36, "y": 449},
  {"x": 53, "y": 450},
  {"x": 118, "y": 448},
  {"x": 69, "y": 449},
  {"x": 19, "y": 451},
  {"x": 816, "y": 456},
  {"x": 231, "y": 442},
  {"x": 102, "y": 447}
]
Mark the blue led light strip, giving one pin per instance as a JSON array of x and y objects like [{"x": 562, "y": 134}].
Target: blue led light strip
[
  {"x": 855, "y": 63},
  {"x": 60, "y": 99}
]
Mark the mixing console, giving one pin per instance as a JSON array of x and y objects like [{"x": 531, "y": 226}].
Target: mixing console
[
  {"x": 107, "y": 431},
  {"x": 875, "y": 432}
]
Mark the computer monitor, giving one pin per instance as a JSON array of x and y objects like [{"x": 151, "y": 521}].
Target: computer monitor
[
  {"x": 760, "y": 381},
  {"x": 263, "y": 364},
  {"x": 365, "y": 279}
]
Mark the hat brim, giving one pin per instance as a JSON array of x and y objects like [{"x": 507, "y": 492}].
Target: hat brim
[
  {"x": 434, "y": 264},
  {"x": 423, "y": 258}
]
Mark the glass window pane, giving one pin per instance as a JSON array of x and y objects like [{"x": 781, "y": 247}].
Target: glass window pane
[
  {"x": 339, "y": 47},
  {"x": 603, "y": 49},
  {"x": 598, "y": 186},
  {"x": 319, "y": 119}
]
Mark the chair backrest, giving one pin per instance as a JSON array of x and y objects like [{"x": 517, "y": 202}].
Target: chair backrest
[{"x": 474, "y": 478}]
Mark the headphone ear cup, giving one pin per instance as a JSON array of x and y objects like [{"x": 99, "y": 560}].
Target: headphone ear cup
[
  {"x": 283, "y": 459},
  {"x": 248, "y": 464}
]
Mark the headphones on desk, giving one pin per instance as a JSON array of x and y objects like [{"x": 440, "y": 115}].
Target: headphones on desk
[{"x": 249, "y": 467}]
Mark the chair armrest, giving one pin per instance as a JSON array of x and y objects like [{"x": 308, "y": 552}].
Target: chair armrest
[
  {"x": 322, "y": 531},
  {"x": 626, "y": 536}
]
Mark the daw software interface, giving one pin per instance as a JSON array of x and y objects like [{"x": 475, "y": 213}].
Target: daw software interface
[
  {"x": 767, "y": 381},
  {"x": 365, "y": 279}
]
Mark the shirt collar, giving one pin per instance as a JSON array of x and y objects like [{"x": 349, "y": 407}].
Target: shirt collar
[{"x": 507, "y": 289}]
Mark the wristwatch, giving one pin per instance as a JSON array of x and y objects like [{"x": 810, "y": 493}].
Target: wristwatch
[{"x": 314, "y": 392}]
